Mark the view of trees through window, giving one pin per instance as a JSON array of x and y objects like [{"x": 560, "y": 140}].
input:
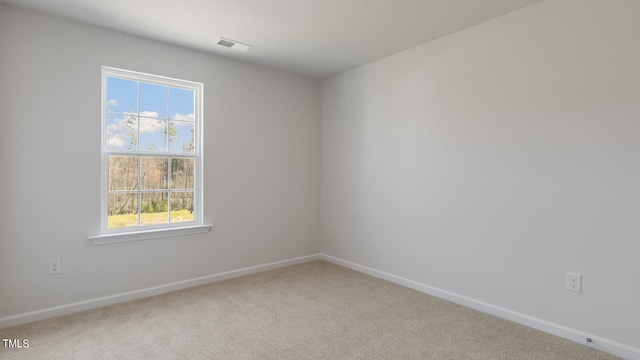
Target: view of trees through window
[
  {"x": 150, "y": 147},
  {"x": 159, "y": 185}
]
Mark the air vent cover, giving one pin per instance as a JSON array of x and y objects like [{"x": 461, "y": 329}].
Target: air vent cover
[
  {"x": 232, "y": 44},
  {"x": 225, "y": 43}
]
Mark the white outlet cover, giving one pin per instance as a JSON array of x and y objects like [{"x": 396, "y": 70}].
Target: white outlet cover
[
  {"x": 54, "y": 266},
  {"x": 574, "y": 282}
]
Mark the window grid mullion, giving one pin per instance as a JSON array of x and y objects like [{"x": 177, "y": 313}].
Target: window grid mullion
[
  {"x": 139, "y": 193},
  {"x": 150, "y": 154},
  {"x": 169, "y": 162},
  {"x": 168, "y": 144},
  {"x": 113, "y": 192},
  {"x": 139, "y": 157}
]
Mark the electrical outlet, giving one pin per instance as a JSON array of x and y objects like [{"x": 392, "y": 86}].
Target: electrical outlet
[
  {"x": 333, "y": 231},
  {"x": 54, "y": 266},
  {"x": 574, "y": 282}
]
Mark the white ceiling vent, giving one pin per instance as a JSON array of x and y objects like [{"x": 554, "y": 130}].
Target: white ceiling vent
[{"x": 232, "y": 44}]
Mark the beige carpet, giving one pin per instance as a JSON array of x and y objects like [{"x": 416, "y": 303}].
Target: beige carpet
[{"x": 315, "y": 310}]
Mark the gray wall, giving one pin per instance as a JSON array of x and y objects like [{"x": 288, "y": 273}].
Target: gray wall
[
  {"x": 261, "y": 170},
  {"x": 492, "y": 161}
]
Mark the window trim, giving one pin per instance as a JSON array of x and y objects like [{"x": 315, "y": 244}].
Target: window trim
[
  {"x": 119, "y": 237},
  {"x": 155, "y": 231}
]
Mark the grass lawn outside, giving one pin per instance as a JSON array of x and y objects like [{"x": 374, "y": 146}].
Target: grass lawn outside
[{"x": 121, "y": 221}]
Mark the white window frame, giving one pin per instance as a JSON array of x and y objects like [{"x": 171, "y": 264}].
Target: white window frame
[{"x": 107, "y": 235}]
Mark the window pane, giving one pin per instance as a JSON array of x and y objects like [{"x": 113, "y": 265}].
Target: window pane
[
  {"x": 181, "y": 104},
  {"x": 182, "y": 136},
  {"x": 152, "y": 134},
  {"x": 181, "y": 206},
  {"x": 154, "y": 208},
  {"x": 155, "y": 173},
  {"x": 123, "y": 210},
  {"x": 123, "y": 173},
  {"x": 121, "y": 132},
  {"x": 153, "y": 100},
  {"x": 122, "y": 96},
  {"x": 182, "y": 171}
]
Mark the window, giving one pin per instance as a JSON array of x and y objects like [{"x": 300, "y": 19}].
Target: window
[{"x": 151, "y": 154}]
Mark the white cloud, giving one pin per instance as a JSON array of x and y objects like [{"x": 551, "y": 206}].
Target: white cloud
[
  {"x": 185, "y": 117},
  {"x": 119, "y": 132},
  {"x": 149, "y": 114},
  {"x": 115, "y": 142},
  {"x": 112, "y": 102},
  {"x": 150, "y": 126}
]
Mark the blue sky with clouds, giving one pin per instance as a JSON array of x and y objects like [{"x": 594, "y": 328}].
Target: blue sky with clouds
[{"x": 146, "y": 110}]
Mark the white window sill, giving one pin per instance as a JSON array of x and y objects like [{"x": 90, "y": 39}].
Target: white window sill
[{"x": 113, "y": 238}]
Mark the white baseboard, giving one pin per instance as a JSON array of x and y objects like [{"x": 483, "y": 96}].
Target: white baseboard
[
  {"x": 66, "y": 309},
  {"x": 600, "y": 343}
]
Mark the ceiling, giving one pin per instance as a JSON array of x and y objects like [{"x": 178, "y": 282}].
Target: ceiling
[{"x": 315, "y": 38}]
